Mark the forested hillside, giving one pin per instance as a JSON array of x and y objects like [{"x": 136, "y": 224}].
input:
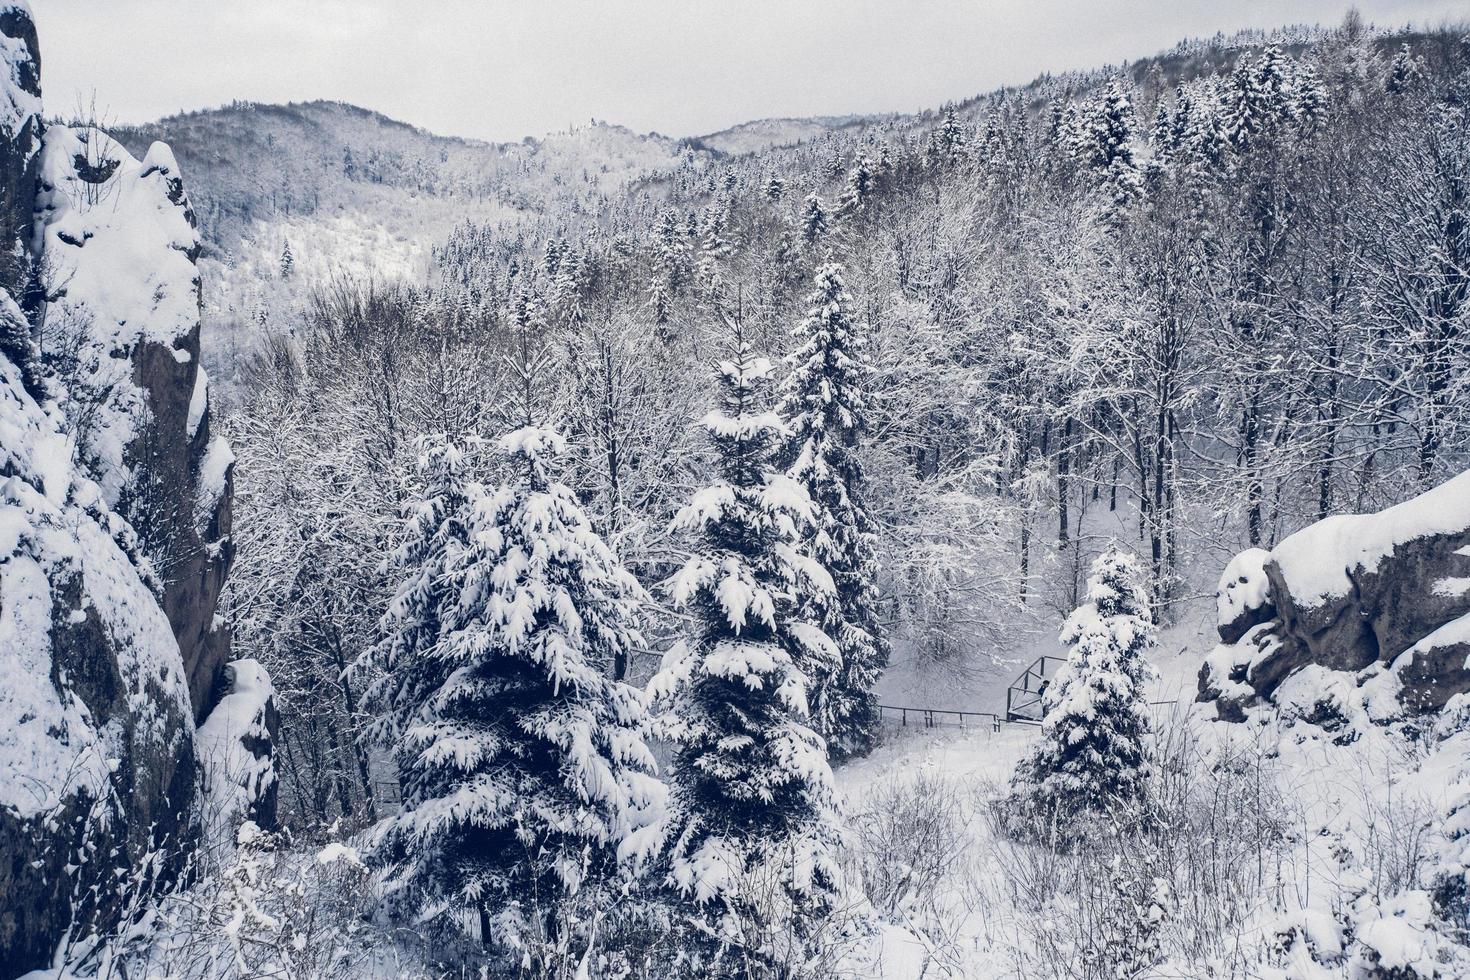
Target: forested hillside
[
  {"x": 1198, "y": 317},
  {"x": 593, "y": 496}
]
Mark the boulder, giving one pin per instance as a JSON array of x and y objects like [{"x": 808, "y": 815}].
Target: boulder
[{"x": 1352, "y": 592}]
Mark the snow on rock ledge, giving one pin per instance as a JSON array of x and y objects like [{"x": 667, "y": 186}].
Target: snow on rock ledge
[
  {"x": 1349, "y": 593},
  {"x": 237, "y": 755}
]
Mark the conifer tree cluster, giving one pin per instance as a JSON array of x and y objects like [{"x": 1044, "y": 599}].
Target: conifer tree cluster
[{"x": 529, "y": 800}]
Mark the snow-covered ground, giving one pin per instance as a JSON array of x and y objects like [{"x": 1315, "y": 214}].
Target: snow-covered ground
[{"x": 1349, "y": 817}]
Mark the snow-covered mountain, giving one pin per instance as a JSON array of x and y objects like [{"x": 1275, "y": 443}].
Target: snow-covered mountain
[{"x": 347, "y": 192}]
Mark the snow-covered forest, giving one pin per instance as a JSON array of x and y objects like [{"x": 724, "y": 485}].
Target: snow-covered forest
[{"x": 1028, "y": 538}]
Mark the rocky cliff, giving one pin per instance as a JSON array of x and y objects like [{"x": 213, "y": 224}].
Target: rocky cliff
[
  {"x": 119, "y": 248},
  {"x": 114, "y": 522},
  {"x": 1384, "y": 594}
]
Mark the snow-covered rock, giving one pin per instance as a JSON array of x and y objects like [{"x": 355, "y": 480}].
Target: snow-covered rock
[
  {"x": 107, "y": 576},
  {"x": 1242, "y": 599},
  {"x": 236, "y": 746},
  {"x": 20, "y": 136},
  {"x": 96, "y": 747},
  {"x": 119, "y": 243},
  {"x": 1349, "y": 593}
]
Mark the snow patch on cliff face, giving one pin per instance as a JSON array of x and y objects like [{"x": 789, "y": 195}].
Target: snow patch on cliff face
[
  {"x": 1316, "y": 560},
  {"x": 214, "y": 480},
  {"x": 198, "y": 402}
]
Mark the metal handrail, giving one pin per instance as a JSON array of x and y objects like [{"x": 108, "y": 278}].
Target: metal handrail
[
  {"x": 1022, "y": 697},
  {"x": 929, "y": 716}
]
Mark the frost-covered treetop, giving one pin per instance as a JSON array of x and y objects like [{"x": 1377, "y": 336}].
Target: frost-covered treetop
[
  {"x": 534, "y": 448},
  {"x": 1115, "y": 585},
  {"x": 541, "y": 561},
  {"x": 825, "y": 393},
  {"x": 744, "y": 429}
]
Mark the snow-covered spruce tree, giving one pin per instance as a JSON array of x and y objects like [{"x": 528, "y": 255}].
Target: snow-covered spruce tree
[
  {"x": 752, "y": 820},
  {"x": 526, "y": 778},
  {"x": 825, "y": 407},
  {"x": 813, "y": 220},
  {"x": 434, "y": 537},
  {"x": 860, "y": 185},
  {"x": 1091, "y": 757},
  {"x": 1104, "y": 147}
]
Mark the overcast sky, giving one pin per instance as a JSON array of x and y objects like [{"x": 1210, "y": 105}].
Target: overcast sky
[{"x": 503, "y": 69}]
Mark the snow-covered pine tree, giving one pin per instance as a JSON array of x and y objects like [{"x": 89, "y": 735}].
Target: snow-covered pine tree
[
  {"x": 1105, "y": 148},
  {"x": 435, "y": 534},
  {"x": 859, "y": 189},
  {"x": 671, "y": 252},
  {"x": 526, "y": 779},
  {"x": 775, "y": 189},
  {"x": 1091, "y": 756},
  {"x": 752, "y": 820},
  {"x": 659, "y": 305},
  {"x": 713, "y": 249},
  {"x": 813, "y": 220},
  {"x": 825, "y": 407},
  {"x": 948, "y": 143}
]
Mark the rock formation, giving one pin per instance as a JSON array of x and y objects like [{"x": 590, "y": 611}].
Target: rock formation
[
  {"x": 114, "y": 521},
  {"x": 1364, "y": 593},
  {"x": 119, "y": 245},
  {"x": 237, "y": 752}
]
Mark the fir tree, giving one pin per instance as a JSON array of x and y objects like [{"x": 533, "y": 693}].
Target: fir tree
[
  {"x": 1091, "y": 757},
  {"x": 524, "y": 771},
  {"x": 434, "y": 537},
  {"x": 1106, "y": 148},
  {"x": 659, "y": 303},
  {"x": 825, "y": 407},
  {"x": 672, "y": 253},
  {"x": 948, "y": 143},
  {"x": 288, "y": 262},
  {"x": 713, "y": 249},
  {"x": 859, "y": 187},
  {"x": 775, "y": 189},
  {"x": 752, "y": 797},
  {"x": 813, "y": 220},
  {"x": 1406, "y": 73}
]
